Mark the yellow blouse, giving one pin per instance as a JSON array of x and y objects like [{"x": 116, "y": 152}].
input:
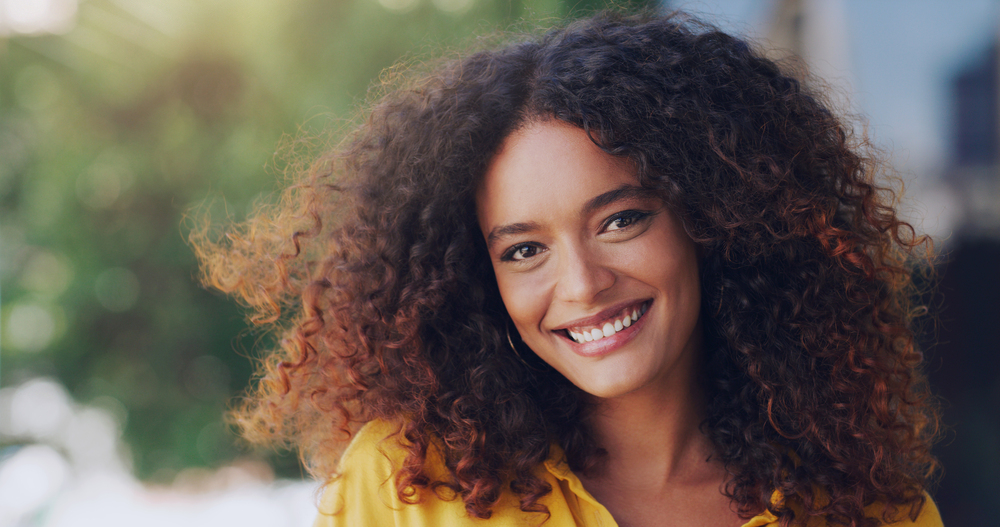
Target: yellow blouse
[{"x": 365, "y": 494}]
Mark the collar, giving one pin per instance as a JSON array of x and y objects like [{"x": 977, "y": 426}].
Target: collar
[{"x": 557, "y": 465}]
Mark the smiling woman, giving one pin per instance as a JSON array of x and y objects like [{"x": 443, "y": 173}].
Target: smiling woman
[
  {"x": 573, "y": 270},
  {"x": 625, "y": 273}
]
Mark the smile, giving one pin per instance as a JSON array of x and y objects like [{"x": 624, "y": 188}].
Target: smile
[{"x": 609, "y": 327}]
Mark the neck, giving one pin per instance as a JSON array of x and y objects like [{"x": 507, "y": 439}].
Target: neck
[{"x": 653, "y": 435}]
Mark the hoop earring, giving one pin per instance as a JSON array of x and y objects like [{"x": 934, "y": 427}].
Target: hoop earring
[{"x": 517, "y": 353}]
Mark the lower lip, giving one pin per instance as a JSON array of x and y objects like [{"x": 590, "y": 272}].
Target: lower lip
[{"x": 607, "y": 345}]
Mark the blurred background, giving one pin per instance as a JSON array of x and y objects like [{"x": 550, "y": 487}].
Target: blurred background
[{"x": 118, "y": 116}]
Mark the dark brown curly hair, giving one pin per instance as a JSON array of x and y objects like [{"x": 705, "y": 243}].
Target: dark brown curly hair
[{"x": 375, "y": 273}]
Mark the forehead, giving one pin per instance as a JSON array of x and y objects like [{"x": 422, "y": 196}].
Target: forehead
[{"x": 543, "y": 168}]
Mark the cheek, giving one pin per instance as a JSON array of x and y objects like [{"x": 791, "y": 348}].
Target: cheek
[
  {"x": 524, "y": 298},
  {"x": 665, "y": 266},
  {"x": 678, "y": 274},
  {"x": 686, "y": 287}
]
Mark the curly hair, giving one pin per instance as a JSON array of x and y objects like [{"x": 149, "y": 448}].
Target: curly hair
[{"x": 810, "y": 365}]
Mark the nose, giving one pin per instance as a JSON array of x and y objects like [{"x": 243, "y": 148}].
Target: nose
[{"x": 583, "y": 275}]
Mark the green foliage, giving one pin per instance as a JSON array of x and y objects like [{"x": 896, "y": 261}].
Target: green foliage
[{"x": 110, "y": 133}]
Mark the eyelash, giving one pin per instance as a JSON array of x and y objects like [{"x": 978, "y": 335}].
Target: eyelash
[
  {"x": 508, "y": 255},
  {"x": 630, "y": 216}
]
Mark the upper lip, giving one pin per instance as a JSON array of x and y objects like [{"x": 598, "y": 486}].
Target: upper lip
[{"x": 602, "y": 316}]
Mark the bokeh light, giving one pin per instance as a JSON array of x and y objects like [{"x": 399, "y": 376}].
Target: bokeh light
[
  {"x": 28, "y": 479},
  {"x": 36, "y": 16},
  {"x": 72, "y": 469},
  {"x": 30, "y": 327}
]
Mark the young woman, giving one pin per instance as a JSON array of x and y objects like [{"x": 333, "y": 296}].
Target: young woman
[{"x": 625, "y": 273}]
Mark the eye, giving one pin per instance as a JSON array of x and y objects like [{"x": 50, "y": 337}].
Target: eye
[
  {"x": 520, "y": 252},
  {"x": 624, "y": 219}
]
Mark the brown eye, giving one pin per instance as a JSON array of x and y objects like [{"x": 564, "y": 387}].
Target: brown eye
[
  {"x": 520, "y": 252},
  {"x": 624, "y": 219},
  {"x": 620, "y": 223}
]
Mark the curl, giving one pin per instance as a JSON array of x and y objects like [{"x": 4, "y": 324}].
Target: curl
[{"x": 810, "y": 366}]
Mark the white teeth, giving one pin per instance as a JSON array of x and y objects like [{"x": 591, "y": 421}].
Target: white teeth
[{"x": 609, "y": 328}]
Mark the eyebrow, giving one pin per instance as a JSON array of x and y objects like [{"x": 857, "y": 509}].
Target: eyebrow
[
  {"x": 510, "y": 230},
  {"x": 621, "y": 193}
]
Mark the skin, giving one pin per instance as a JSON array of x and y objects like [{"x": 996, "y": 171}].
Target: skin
[{"x": 575, "y": 242}]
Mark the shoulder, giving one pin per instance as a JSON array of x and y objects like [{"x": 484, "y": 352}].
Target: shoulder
[
  {"x": 365, "y": 493},
  {"x": 375, "y": 452},
  {"x": 928, "y": 517}
]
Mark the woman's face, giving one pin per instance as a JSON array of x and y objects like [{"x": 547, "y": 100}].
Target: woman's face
[{"x": 598, "y": 276}]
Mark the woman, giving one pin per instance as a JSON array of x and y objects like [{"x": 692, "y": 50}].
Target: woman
[{"x": 629, "y": 273}]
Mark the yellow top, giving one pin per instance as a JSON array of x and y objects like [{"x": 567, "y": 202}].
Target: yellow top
[{"x": 365, "y": 494}]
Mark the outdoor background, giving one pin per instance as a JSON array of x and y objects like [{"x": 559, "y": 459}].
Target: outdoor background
[{"x": 117, "y": 117}]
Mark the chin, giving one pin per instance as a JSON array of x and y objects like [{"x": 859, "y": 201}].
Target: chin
[{"x": 609, "y": 388}]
